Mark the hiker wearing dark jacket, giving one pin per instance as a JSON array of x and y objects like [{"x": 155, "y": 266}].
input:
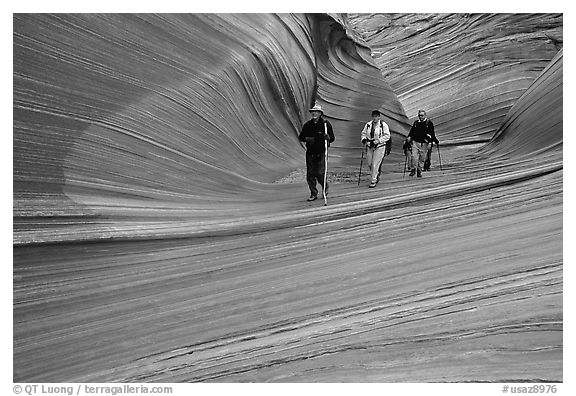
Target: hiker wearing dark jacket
[
  {"x": 315, "y": 132},
  {"x": 420, "y": 140},
  {"x": 376, "y": 135}
]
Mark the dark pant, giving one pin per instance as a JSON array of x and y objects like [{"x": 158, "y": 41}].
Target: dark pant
[{"x": 315, "y": 171}]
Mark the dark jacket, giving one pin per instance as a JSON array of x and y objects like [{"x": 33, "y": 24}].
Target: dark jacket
[
  {"x": 423, "y": 132},
  {"x": 313, "y": 134}
]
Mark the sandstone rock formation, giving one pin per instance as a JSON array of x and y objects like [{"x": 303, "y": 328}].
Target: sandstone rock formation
[
  {"x": 466, "y": 70},
  {"x": 152, "y": 244}
]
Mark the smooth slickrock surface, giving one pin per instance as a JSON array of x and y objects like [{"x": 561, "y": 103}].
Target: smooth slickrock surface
[{"x": 161, "y": 229}]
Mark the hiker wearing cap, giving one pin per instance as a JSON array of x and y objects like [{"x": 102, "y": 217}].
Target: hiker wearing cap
[
  {"x": 420, "y": 139},
  {"x": 314, "y": 133},
  {"x": 376, "y": 137}
]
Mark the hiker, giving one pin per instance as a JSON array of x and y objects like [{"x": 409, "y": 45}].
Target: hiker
[
  {"x": 376, "y": 135},
  {"x": 314, "y": 133},
  {"x": 421, "y": 139}
]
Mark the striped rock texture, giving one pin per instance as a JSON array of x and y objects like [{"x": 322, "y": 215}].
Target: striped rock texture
[
  {"x": 153, "y": 241},
  {"x": 465, "y": 70}
]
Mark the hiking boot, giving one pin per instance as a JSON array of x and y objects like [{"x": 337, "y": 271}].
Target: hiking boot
[
  {"x": 419, "y": 173},
  {"x": 372, "y": 185},
  {"x": 412, "y": 172},
  {"x": 312, "y": 197}
]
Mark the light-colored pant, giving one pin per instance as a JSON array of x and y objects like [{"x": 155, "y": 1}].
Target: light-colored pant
[
  {"x": 374, "y": 157},
  {"x": 419, "y": 152}
]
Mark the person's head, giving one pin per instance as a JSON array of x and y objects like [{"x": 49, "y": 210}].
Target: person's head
[
  {"x": 316, "y": 112},
  {"x": 421, "y": 115},
  {"x": 376, "y": 115}
]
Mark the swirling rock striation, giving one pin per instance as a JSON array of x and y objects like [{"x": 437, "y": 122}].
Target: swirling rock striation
[
  {"x": 129, "y": 104},
  {"x": 151, "y": 244},
  {"x": 466, "y": 70},
  {"x": 114, "y": 114},
  {"x": 539, "y": 108}
]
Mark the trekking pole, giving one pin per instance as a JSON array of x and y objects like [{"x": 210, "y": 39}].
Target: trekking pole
[
  {"x": 325, "y": 164},
  {"x": 361, "y": 160},
  {"x": 405, "y": 161},
  {"x": 439, "y": 158}
]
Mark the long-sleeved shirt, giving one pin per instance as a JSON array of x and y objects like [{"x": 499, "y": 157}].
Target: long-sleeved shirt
[
  {"x": 313, "y": 134},
  {"x": 423, "y": 131},
  {"x": 381, "y": 132}
]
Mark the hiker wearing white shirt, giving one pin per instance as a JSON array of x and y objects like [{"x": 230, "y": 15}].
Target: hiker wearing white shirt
[{"x": 376, "y": 137}]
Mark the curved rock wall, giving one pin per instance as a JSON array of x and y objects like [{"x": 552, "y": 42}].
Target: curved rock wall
[
  {"x": 151, "y": 245},
  {"x": 540, "y": 109},
  {"x": 350, "y": 85},
  {"x": 118, "y": 111},
  {"x": 466, "y": 70},
  {"x": 150, "y": 105}
]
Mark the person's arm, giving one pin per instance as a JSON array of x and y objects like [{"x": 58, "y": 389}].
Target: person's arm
[{"x": 364, "y": 134}]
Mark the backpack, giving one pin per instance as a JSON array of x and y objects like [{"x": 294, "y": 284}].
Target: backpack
[{"x": 382, "y": 128}]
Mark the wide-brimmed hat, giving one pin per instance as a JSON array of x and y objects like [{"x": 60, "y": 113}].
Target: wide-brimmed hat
[{"x": 316, "y": 108}]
